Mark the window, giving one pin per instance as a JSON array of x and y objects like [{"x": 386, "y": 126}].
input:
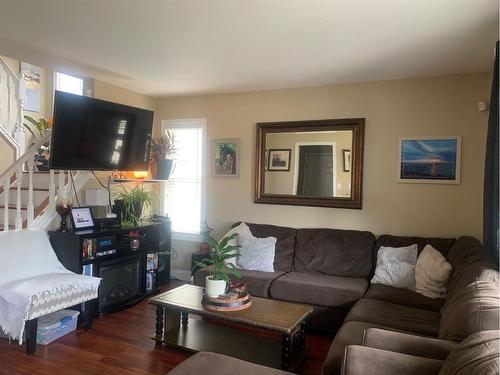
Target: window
[
  {"x": 183, "y": 194},
  {"x": 68, "y": 83}
]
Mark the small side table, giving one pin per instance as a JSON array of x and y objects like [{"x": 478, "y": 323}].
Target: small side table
[{"x": 197, "y": 257}]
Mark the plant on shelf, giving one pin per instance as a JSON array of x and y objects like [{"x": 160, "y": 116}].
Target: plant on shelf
[
  {"x": 220, "y": 270},
  {"x": 205, "y": 234},
  {"x": 133, "y": 201},
  {"x": 38, "y": 128},
  {"x": 161, "y": 156}
]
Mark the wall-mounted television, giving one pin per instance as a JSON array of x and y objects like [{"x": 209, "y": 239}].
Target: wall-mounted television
[{"x": 93, "y": 134}]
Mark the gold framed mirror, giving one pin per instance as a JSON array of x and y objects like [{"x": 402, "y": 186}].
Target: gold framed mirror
[{"x": 310, "y": 163}]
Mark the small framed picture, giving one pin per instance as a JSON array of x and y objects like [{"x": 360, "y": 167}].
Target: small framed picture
[
  {"x": 81, "y": 218},
  {"x": 430, "y": 159},
  {"x": 226, "y": 157},
  {"x": 346, "y": 160},
  {"x": 279, "y": 159}
]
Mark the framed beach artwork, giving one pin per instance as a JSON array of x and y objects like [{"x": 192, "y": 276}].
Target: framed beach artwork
[
  {"x": 226, "y": 157},
  {"x": 429, "y": 160}
]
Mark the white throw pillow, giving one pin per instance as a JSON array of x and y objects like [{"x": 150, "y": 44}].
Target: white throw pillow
[
  {"x": 432, "y": 273},
  {"x": 396, "y": 266},
  {"x": 256, "y": 254},
  {"x": 243, "y": 231}
]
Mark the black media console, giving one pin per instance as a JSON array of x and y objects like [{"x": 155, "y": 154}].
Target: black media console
[{"x": 133, "y": 262}]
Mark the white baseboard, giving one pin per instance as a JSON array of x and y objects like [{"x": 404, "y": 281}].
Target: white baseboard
[{"x": 181, "y": 275}]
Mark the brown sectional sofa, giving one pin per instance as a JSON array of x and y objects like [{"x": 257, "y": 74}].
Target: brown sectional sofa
[
  {"x": 330, "y": 269},
  {"x": 332, "y": 281},
  {"x": 472, "y": 305}
]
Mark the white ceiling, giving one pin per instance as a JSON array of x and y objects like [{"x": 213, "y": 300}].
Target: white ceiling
[{"x": 166, "y": 48}]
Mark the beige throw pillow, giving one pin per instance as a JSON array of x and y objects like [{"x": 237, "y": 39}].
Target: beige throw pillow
[{"x": 432, "y": 273}]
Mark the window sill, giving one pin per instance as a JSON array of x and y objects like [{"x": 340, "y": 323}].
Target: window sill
[{"x": 190, "y": 237}]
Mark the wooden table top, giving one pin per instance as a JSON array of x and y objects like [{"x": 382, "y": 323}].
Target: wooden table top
[{"x": 264, "y": 313}]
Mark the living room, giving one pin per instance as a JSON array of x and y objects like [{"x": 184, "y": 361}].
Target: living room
[{"x": 224, "y": 82}]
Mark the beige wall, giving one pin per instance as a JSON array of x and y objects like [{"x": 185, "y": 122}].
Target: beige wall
[
  {"x": 424, "y": 106},
  {"x": 107, "y": 91},
  {"x": 282, "y": 182}
]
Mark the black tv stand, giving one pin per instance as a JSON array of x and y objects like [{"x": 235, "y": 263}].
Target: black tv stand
[{"x": 133, "y": 262}]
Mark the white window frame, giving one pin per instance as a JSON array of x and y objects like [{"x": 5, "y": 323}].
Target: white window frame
[
  {"x": 55, "y": 81},
  {"x": 189, "y": 123}
]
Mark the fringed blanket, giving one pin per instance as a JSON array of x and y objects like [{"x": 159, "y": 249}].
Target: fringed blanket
[{"x": 34, "y": 283}]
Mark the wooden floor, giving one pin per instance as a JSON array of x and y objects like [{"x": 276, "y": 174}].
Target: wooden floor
[{"x": 119, "y": 343}]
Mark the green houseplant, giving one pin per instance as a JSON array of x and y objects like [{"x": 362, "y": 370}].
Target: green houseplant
[
  {"x": 161, "y": 156},
  {"x": 220, "y": 271},
  {"x": 133, "y": 201}
]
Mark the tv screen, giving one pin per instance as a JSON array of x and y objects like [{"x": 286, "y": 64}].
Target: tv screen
[{"x": 94, "y": 134}]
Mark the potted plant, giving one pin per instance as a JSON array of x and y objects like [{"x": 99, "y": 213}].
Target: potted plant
[
  {"x": 133, "y": 201},
  {"x": 161, "y": 157},
  {"x": 38, "y": 128},
  {"x": 220, "y": 271}
]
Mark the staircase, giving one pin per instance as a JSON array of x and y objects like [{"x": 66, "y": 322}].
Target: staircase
[{"x": 27, "y": 194}]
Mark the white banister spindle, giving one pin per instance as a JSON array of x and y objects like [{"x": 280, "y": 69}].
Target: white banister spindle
[
  {"x": 19, "y": 181},
  {"x": 31, "y": 206},
  {"x": 19, "y": 133},
  {"x": 6, "y": 188},
  {"x": 52, "y": 190}
]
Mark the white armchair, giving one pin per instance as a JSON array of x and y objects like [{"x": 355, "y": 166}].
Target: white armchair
[{"x": 33, "y": 283}]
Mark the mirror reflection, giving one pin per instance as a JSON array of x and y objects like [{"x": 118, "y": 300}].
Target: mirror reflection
[{"x": 313, "y": 164}]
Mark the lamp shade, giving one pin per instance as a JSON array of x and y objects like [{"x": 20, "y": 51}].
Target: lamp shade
[{"x": 96, "y": 197}]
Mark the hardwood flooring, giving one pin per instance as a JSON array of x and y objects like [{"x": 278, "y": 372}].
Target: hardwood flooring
[{"x": 119, "y": 343}]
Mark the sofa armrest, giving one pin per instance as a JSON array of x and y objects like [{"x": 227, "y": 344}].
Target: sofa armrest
[
  {"x": 362, "y": 360},
  {"x": 408, "y": 344}
]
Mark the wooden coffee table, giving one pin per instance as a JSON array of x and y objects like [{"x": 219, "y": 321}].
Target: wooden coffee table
[{"x": 288, "y": 319}]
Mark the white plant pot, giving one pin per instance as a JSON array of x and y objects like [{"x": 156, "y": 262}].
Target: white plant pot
[{"x": 214, "y": 288}]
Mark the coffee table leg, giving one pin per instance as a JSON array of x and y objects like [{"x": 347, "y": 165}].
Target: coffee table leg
[
  {"x": 303, "y": 336},
  {"x": 285, "y": 351},
  {"x": 159, "y": 324},
  {"x": 184, "y": 318}
]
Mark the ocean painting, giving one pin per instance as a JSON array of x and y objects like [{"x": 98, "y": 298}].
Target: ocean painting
[{"x": 432, "y": 160}]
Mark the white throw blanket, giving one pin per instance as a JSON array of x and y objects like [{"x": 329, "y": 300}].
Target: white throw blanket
[{"x": 33, "y": 282}]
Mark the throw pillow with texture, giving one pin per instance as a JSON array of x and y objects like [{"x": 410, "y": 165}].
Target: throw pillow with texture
[
  {"x": 432, "y": 273},
  {"x": 256, "y": 254},
  {"x": 243, "y": 231},
  {"x": 396, "y": 266}
]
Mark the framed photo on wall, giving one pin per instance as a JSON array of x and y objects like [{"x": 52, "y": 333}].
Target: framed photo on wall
[
  {"x": 31, "y": 75},
  {"x": 279, "y": 159},
  {"x": 226, "y": 157},
  {"x": 346, "y": 158},
  {"x": 429, "y": 160}
]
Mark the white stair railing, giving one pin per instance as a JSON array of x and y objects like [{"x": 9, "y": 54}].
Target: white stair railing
[
  {"x": 14, "y": 175},
  {"x": 12, "y": 97}
]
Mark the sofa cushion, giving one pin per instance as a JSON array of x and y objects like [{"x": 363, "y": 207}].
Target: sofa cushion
[
  {"x": 400, "y": 317},
  {"x": 285, "y": 243},
  {"x": 477, "y": 354},
  {"x": 476, "y": 308},
  {"x": 334, "y": 252},
  {"x": 217, "y": 364},
  {"x": 351, "y": 333},
  {"x": 443, "y": 245},
  {"x": 463, "y": 248},
  {"x": 258, "y": 282},
  {"x": 403, "y": 297},
  {"x": 316, "y": 289},
  {"x": 408, "y": 343},
  {"x": 361, "y": 360}
]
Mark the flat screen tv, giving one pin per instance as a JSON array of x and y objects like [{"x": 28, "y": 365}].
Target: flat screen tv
[{"x": 93, "y": 134}]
